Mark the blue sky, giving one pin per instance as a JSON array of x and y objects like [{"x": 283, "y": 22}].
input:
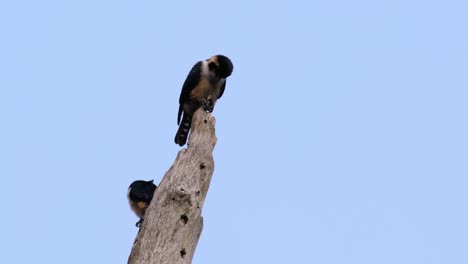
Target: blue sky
[{"x": 342, "y": 134}]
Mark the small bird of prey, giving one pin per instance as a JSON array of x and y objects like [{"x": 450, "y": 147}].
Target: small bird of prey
[
  {"x": 204, "y": 85},
  {"x": 140, "y": 193}
]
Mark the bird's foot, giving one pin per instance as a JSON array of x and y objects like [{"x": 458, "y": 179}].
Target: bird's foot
[
  {"x": 138, "y": 224},
  {"x": 207, "y": 104}
]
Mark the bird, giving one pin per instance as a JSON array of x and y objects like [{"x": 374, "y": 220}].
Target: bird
[
  {"x": 140, "y": 193},
  {"x": 203, "y": 86}
]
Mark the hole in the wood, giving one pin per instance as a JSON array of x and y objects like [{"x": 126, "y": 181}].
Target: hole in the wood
[
  {"x": 183, "y": 253},
  {"x": 184, "y": 218},
  {"x": 173, "y": 199},
  {"x": 205, "y": 121},
  {"x": 202, "y": 166},
  {"x": 197, "y": 193}
]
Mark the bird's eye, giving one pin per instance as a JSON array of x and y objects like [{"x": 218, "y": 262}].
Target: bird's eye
[{"x": 211, "y": 65}]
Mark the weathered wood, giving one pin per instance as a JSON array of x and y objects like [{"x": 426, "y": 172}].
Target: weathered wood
[{"x": 173, "y": 222}]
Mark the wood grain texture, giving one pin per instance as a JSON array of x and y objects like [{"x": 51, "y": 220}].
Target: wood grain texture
[{"x": 173, "y": 223}]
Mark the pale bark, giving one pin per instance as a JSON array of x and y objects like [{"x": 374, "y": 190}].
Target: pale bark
[{"x": 173, "y": 221}]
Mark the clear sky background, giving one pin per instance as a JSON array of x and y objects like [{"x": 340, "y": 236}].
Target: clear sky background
[{"x": 342, "y": 134}]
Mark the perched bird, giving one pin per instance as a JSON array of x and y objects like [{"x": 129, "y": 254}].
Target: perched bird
[
  {"x": 140, "y": 194},
  {"x": 204, "y": 85}
]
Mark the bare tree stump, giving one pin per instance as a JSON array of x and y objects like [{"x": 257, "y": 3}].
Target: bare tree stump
[{"x": 173, "y": 221}]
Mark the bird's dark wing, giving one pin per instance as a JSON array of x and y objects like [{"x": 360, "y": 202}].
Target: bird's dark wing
[
  {"x": 192, "y": 80},
  {"x": 221, "y": 91},
  {"x": 141, "y": 196},
  {"x": 149, "y": 189}
]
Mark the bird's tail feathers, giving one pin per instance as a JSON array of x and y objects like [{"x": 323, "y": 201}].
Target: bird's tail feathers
[{"x": 183, "y": 131}]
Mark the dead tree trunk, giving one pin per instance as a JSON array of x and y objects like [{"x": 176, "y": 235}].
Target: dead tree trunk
[{"x": 173, "y": 221}]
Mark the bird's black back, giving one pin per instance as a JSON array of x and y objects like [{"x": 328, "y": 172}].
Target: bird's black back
[{"x": 141, "y": 191}]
